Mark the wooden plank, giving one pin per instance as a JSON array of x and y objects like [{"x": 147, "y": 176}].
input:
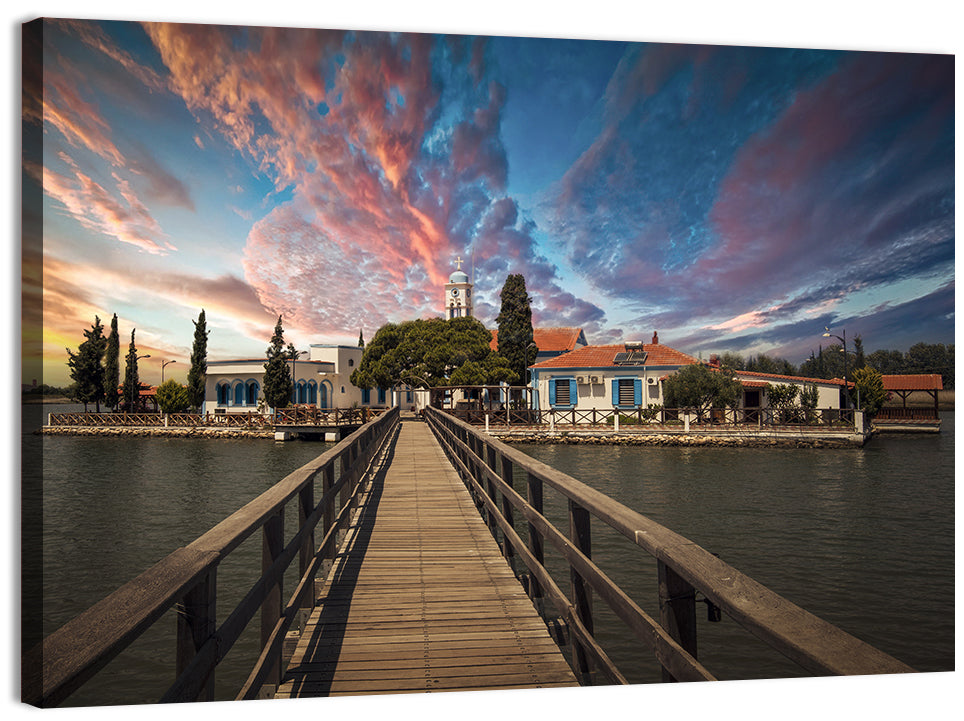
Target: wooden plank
[{"x": 419, "y": 598}]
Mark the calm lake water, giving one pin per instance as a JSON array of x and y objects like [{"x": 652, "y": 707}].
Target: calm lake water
[{"x": 863, "y": 538}]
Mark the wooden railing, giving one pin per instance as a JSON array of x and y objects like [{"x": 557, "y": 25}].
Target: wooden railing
[
  {"x": 824, "y": 419},
  {"x": 912, "y": 414},
  {"x": 299, "y": 415},
  {"x": 187, "y": 579},
  {"x": 684, "y": 569}
]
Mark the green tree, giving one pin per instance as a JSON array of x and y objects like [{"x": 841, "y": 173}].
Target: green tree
[
  {"x": 696, "y": 386},
  {"x": 869, "y": 388},
  {"x": 361, "y": 340},
  {"x": 277, "y": 373},
  {"x": 888, "y": 362},
  {"x": 515, "y": 325},
  {"x": 131, "y": 391},
  {"x": 765, "y": 364},
  {"x": 86, "y": 369},
  {"x": 172, "y": 397},
  {"x": 733, "y": 361},
  {"x": 198, "y": 374},
  {"x": 931, "y": 358},
  {"x": 860, "y": 359},
  {"x": 781, "y": 397},
  {"x": 112, "y": 366},
  {"x": 429, "y": 351}
]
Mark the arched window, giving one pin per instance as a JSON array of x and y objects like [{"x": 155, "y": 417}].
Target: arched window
[
  {"x": 222, "y": 394},
  {"x": 251, "y": 395},
  {"x": 312, "y": 392},
  {"x": 239, "y": 394},
  {"x": 323, "y": 391}
]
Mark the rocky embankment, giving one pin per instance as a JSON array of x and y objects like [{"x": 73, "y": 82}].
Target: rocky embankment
[
  {"x": 746, "y": 440},
  {"x": 150, "y": 431}
]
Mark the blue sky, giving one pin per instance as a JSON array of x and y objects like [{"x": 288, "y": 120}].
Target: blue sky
[{"x": 731, "y": 198}]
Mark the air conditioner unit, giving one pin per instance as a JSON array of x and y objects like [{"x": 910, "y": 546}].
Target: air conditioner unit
[
  {"x": 581, "y": 380},
  {"x": 652, "y": 381},
  {"x": 593, "y": 379}
]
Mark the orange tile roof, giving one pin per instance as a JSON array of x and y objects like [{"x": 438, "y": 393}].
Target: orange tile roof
[
  {"x": 554, "y": 340},
  {"x": 601, "y": 356},
  {"x": 922, "y": 382}
]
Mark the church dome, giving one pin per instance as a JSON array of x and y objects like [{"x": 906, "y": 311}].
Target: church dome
[{"x": 458, "y": 277}]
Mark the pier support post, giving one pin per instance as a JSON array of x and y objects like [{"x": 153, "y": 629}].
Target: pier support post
[
  {"x": 271, "y": 609},
  {"x": 580, "y": 538},
  {"x": 677, "y": 610},
  {"x": 195, "y": 625}
]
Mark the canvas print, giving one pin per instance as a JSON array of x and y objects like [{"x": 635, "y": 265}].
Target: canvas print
[{"x": 366, "y": 362}]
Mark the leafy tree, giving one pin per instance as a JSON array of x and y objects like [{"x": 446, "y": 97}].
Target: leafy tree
[
  {"x": 859, "y": 359},
  {"x": 696, "y": 386},
  {"x": 112, "y": 366},
  {"x": 781, "y": 397},
  {"x": 931, "y": 358},
  {"x": 432, "y": 350},
  {"x": 85, "y": 366},
  {"x": 869, "y": 388},
  {"x": 277, "y": 373},
  {"x": 131, "y": 391},
  {"x": 765, "y": 364},
  {"x": 515, "y": 325},
  {"x": 197, "y": 375},
  {"x": 888, "y": 362},
  {"x": 172, "y": 397},
  {"x": 733, "y": 361}
]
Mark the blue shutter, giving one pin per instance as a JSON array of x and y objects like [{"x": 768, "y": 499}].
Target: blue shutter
[
  {"x": 615, "y": 383},
  {"x": 573, "y": 393},
  {"x": 552, "y": 393},
  {"x": 638, "y": 391}
]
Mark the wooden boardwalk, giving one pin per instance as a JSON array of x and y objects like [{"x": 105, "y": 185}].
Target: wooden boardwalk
[{"x": 420, "y": 598}]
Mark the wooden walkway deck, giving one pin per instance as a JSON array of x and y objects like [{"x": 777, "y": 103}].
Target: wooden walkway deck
[{"x": 419, "y": 598}]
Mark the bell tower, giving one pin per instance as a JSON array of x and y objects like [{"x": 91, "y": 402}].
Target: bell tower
[{"x": 458, "y": 293}]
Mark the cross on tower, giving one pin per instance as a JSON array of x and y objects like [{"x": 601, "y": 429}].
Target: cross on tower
[{"x": 458, "y": 262}]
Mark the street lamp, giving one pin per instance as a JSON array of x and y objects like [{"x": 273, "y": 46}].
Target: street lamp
[
  {"x": 164, "y": 364},
  {"x": 828, "y": 334},
  {"x": 136, "y": 391},
  {"x": 294, "y": 376}
]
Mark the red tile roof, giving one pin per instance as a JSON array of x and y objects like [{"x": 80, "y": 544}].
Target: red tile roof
[
  {"x": 923, "y": 382},
  {"x": 601, "y": 356},
  {"x": 553, "y": 340}
]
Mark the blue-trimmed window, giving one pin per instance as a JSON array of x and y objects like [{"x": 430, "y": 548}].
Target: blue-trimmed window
[
  {"x": 381, "y": 396},
  {"x": 312, "y": 392},
  {"x": 627, "y": 392},
  {"x": 223, "y": 393},
  {"x": 563, "y": 392},
  {"x": 239, "y": 394},
  {"x": 251, "y": 393},
  {"x": 366, "y": 395}
]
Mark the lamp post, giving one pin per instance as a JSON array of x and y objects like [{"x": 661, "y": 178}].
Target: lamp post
[
  {"x": 828, "y": 334},
  {"x": 294, "y": 377},
  {"x": 164, "y": 364},
  {"x": 136, "y": 391}
]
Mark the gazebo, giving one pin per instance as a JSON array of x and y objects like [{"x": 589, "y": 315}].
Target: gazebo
[{"x": 903, "y": 386}]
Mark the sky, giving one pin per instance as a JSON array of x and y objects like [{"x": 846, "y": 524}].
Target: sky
[{"x": 732, "y": 198}]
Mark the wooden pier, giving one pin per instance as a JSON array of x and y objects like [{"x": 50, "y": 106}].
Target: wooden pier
[
  {"x": 420, "y": 598},
  {"x": 424, "y": 565}
]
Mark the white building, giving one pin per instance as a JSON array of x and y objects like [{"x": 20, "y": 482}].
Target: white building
[{"x": 630, "y": 376}]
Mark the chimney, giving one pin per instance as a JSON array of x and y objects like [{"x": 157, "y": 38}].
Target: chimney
[
  {"x": 655, "y": 338},
  {"x": 714, "y": 361}
]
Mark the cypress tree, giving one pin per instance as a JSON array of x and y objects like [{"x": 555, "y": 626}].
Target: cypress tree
[
  {"x": 112, "y": 366},
  {"x": 277, "y": 374},
  {"x": 515, "y": 326},
  {"x": 197, "y": 376},
  {"x": 132, "y": 383},
  {"x": 86, "y": 367}
]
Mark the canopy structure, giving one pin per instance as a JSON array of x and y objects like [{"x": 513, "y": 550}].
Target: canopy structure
[{"x": 904, "y": 385}]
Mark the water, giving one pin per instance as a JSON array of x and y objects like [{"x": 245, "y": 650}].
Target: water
[{"x": 862, "y": 537}]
